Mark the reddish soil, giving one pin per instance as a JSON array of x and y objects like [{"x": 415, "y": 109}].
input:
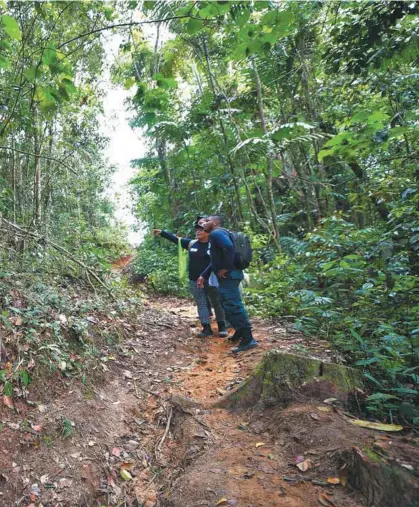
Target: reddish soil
[
  {"x": 75, "y": 441},
  {"x": 122, "y": 262}
]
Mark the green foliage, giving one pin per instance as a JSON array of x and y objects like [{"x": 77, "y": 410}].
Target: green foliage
[
  {"x": 157, "y": 263},
  {"x": 62, "y": 325},
  {"x": 66, "y": 428},
  {"x": 343, "y": 284},
  {"x": 297, "y": 121}
]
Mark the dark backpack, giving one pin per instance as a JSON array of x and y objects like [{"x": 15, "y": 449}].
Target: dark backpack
[{"x": 242, "y": 249}]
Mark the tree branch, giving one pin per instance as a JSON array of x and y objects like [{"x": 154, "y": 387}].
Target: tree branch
[
  {"x": 40, "y": 156},
  {"x": 132, "y": 23},
  {"x": 59, "y": 248}
]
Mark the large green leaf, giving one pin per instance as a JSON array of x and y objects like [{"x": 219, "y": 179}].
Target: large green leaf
[
  {"x": 209, "y": 11},
  {"x": 31, "y": 74},
  {"x": 359, "y": 117},
  {"x": 338, "y": 139},
  {"x": 240, "y": 52},
  {"x": 193, "y": 26},
  {"x": 69, "y": 85},
  {"x": 8, "y": 388},
  {"x": 46, "y": 100},
  {"x": 49, "y": 55},
  {"x": 11, "y": 27},
  {"x": 377, "y": 117},
  {"x": 4, "y": 63},
  {"x": 243, "y": 17}
]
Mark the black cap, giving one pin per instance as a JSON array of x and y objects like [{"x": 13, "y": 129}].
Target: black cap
[{"x": 198, "y": 218}]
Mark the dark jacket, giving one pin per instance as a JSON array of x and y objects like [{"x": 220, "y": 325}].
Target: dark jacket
[
  {"x": 222, "y": 255},
  {"x": 199, "y": 257}
]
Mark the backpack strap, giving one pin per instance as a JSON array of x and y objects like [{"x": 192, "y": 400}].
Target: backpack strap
[{"x": 228, "y": 232}]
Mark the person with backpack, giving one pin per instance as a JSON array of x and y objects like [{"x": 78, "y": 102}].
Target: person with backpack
[
  {"x": 199, "y": 260},
  {"x": 230, "y": 253}
]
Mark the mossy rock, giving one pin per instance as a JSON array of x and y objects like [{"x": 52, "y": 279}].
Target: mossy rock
[{"x": 282, "y": 378}]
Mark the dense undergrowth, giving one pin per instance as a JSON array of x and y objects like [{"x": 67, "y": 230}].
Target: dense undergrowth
[
  {"x": 54, "y": 320},
  {"x": 350, "y": 286}
]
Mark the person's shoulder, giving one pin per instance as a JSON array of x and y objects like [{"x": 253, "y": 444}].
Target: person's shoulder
[{"x": 219, "y": 233}]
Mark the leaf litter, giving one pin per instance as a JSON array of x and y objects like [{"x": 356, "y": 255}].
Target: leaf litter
[{"x": 132, "y": 406}]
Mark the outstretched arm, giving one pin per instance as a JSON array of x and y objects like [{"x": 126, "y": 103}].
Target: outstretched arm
[{"x": 173, "y": 238}]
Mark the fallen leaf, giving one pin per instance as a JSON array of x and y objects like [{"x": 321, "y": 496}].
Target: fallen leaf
[
  {"x": 127, "y": 465},
  {"x": 330, "y": 401},
  {"x": 304, "y": 465},
  {"x": 125, "y": 475},
  {"x": 37, "y": 427},
  {"x": 270, "y": 456},
  {"x": 323, "y": 502},
  {"x": 127, "y": 374},
  {"x": 18, "y": 321},
  {"x": 44, "y": 479},
  {"x": 408, "y": 467},
  {"x": 333, "y": 480},
  {"x": 116, "y": 452},
  {"x": 41, "y": 408},
  {"x": 324, "y": 499},
  {"x": 62, "y": 365},
  {"x": 259, "y": 444},
  {"x": 376, "y": 426},
  {"x": 62, "y": 318},
  {"x": 315, "y": 416},
  {"x": 222, "y": 501},
  {"x": 299, "y": 459},
  {"x": 8, "y": 401}
]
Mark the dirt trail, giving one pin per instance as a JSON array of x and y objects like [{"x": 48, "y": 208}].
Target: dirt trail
[
  {"x": 117, "y": 439},
  {"x": 249, "y": 459}
]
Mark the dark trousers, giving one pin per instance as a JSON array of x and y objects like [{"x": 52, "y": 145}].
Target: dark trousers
[
  {"x": 214, "y": 300},
  {"x": 234, "y": 309},
  {"x": 202, "y": 298}
]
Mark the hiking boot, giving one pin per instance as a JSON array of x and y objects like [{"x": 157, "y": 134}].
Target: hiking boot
[
  {"x": 245, "y": 346},
  {"x": 235, "y": 337},
  {"x": 206, "y": 331},
  {"x": 222, "y": 331}
]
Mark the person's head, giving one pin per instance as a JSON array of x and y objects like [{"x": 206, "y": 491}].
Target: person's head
[
  {"x": 213, "y": 222},
  {"x": 201, "y": 234}
]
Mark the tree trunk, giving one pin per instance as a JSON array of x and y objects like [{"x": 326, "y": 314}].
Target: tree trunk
[
  {"x": 280, "y": 379},
  {"x": 37, "y": 178},
  {"x": 224, "y": 134},
  {"x": 161, "y": 152},
  {"x": 383, "y": 482},
  {"x": 269, "y": 162}
]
